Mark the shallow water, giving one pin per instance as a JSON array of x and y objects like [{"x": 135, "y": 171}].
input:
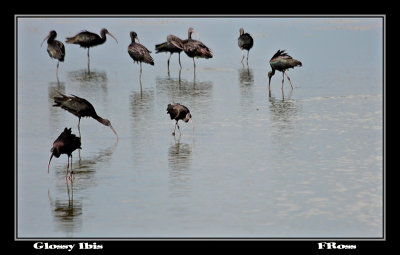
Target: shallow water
[{"x": 305, "y": 163}]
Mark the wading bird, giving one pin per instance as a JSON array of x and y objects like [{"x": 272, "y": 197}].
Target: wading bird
[
  {"x": 138, "y": 52},
  {"x": 281, "y": 61},
  {"x": 194, "y": 48},
  {"x": 179, "y": 112},
  {"x": 245, "y": 42},
  {"x": 55, "y": 48},
  {"x": 88, "y": 39},
  {"x": 170, "y": 47},
  {"x": 66, "y": 143},
  {"x": 80, "y": 107}
]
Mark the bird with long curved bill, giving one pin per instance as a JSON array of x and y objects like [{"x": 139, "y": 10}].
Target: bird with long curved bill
[
  {"x": 88, "y": 39},
  {"x": 66, "y": 143},
  {"x": 281, "y": 61},
  {"x": 179, "y": 112},
  {"x": 55, "y": 48},
  {"x": 80, "y": 107}
]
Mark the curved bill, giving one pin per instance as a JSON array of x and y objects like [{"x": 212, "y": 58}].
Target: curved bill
[
  {"x": 48, "y": 166},
  {"x": 114, "y": 131},
  {"x": 112, "y": 36},
  {"x": 194, "y": 32},
  {"x": 47, "y": 37}
]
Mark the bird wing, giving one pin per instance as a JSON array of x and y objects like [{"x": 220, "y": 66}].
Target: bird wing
[{"x": 139, "y": 53}]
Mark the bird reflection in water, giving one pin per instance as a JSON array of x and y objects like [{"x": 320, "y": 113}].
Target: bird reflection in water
[
  {"x": 90, "y": 80},
  {"x": 67, "y": 213}
]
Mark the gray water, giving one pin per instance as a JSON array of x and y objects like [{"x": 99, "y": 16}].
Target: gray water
[{"x": 305, "y": 163}]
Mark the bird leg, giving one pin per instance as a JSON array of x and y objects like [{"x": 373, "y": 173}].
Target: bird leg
[
  {"x": 247, "y": 57},
  {"x": 176, "y": 123},
  {"x": 79, "y": 126},
  {"x": 180, "y": 133},
  {"x": 194, "y": 64},
  {"x": 170, "y": 54},
  {"x": 66, "y": 173},
  {"x": 242, "y": 56},
  {"x": 179, "y": 58},
  {"x": 288, "y": 79},
  {"x": 283, "y": 77},
  {"x": 58, "y": 62}
]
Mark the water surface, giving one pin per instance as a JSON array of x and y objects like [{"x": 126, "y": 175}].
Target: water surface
[{"x": 305, "y": 163}]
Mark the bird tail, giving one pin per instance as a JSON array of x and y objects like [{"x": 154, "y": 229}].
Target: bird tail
[
  {"x": 70, "y": 40},
  {"x": 161, "y": 47}
]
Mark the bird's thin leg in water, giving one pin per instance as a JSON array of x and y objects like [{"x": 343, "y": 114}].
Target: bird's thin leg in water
[
  {"x": 180, "y": 133},
  {"x": 283, "y": 77},
  {"x": 248, "y": 57},
  {"x": 242, "y": 56},
  {"x": 173, "y": 133},
  {"x": 70, "y": 171},
  {"x": 66, "y": 173},
  {"x": 57, "y": 69},
  {"x": 79, "y": 126},
  {"x": 288, "y": 79},
  {"x": 170, "y": 54},
  {"x": 179, "y": 58},
  {"x": 88, "y": 57},
  {"x": 194, "y": 64}
]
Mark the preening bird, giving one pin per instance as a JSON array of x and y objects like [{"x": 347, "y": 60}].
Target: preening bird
[
  {"x": 55, "y": 48},
  {"x": 281, "y": 61},
  {"x": 194, "y": 48},
  {"x": 179, "y": 112},
  {"x": 245, "y": 42},
  {"x": 66, "y": 143},
  {"x": 170, "y": 47},
  {"x": 80, "y": 107}
]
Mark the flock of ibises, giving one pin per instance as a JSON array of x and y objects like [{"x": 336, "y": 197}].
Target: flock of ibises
[{"x": 67, "y": 142}]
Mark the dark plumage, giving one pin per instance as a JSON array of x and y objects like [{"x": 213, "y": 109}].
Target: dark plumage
[
  {"x": 281, "y": 61},
  {"x": 169, "y": 46},
  {"x": 56, "y": 49},
  {"x": 66, "y": 143},
  {"x": 194, "y": 48},
  {"x": 80, "y": 107},
  {"x": 88, "y": 39},
  {"x": 138, "y": 52},
  {"x": 178, "y": 112},
  {"x": 245, "y": 42}
]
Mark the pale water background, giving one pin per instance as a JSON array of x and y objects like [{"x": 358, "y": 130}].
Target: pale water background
[{"x": 306, "y": 165}]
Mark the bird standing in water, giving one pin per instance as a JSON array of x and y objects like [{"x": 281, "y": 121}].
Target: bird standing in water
[
  {"x": 281, "y": 61},
  {"x": 66, "y": 143},
  {"x": 88, "y": 39},
  {"x": 245, "y": 42},
  {"x": 55, "y": 48},
  {"x": 194, "y": 48},
  {"x": 170, "y": 47},
  {"x": 179, "y": 112},
  {"x": 80, "y": 107},
  {"x": 138, "y": 52}
]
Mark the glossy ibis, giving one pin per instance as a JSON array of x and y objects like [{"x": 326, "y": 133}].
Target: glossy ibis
[
  {"x": 88, "y": 39},
  {"x": 194, "y": 48},
  {"x": 55, "y": 48},
  {"x": 138, "y": 52},
  {"x": 169, "y": 46},
  {"x": 179, "y": 112},
  {"x": 245, "y": 42},
  {"x": 281, "y": 61},
  {"x": 66, "y": 143},
  {"x": 80, "y": 107}
]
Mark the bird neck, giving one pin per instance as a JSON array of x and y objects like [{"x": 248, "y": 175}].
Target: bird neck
[
  {"x": 100, "y": 119},
  {"x": 190, "y": 35}
]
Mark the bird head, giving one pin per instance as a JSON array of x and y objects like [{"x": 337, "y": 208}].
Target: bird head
[
  {"x": 241, "y": 31},
  {"x": 191, "y": 30},
  {"x": 52, "y": 34},
  {"x": 107, "y": 123},
  {"x": 134, "y": 36},
  {"x": 105, "y": 31}
]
